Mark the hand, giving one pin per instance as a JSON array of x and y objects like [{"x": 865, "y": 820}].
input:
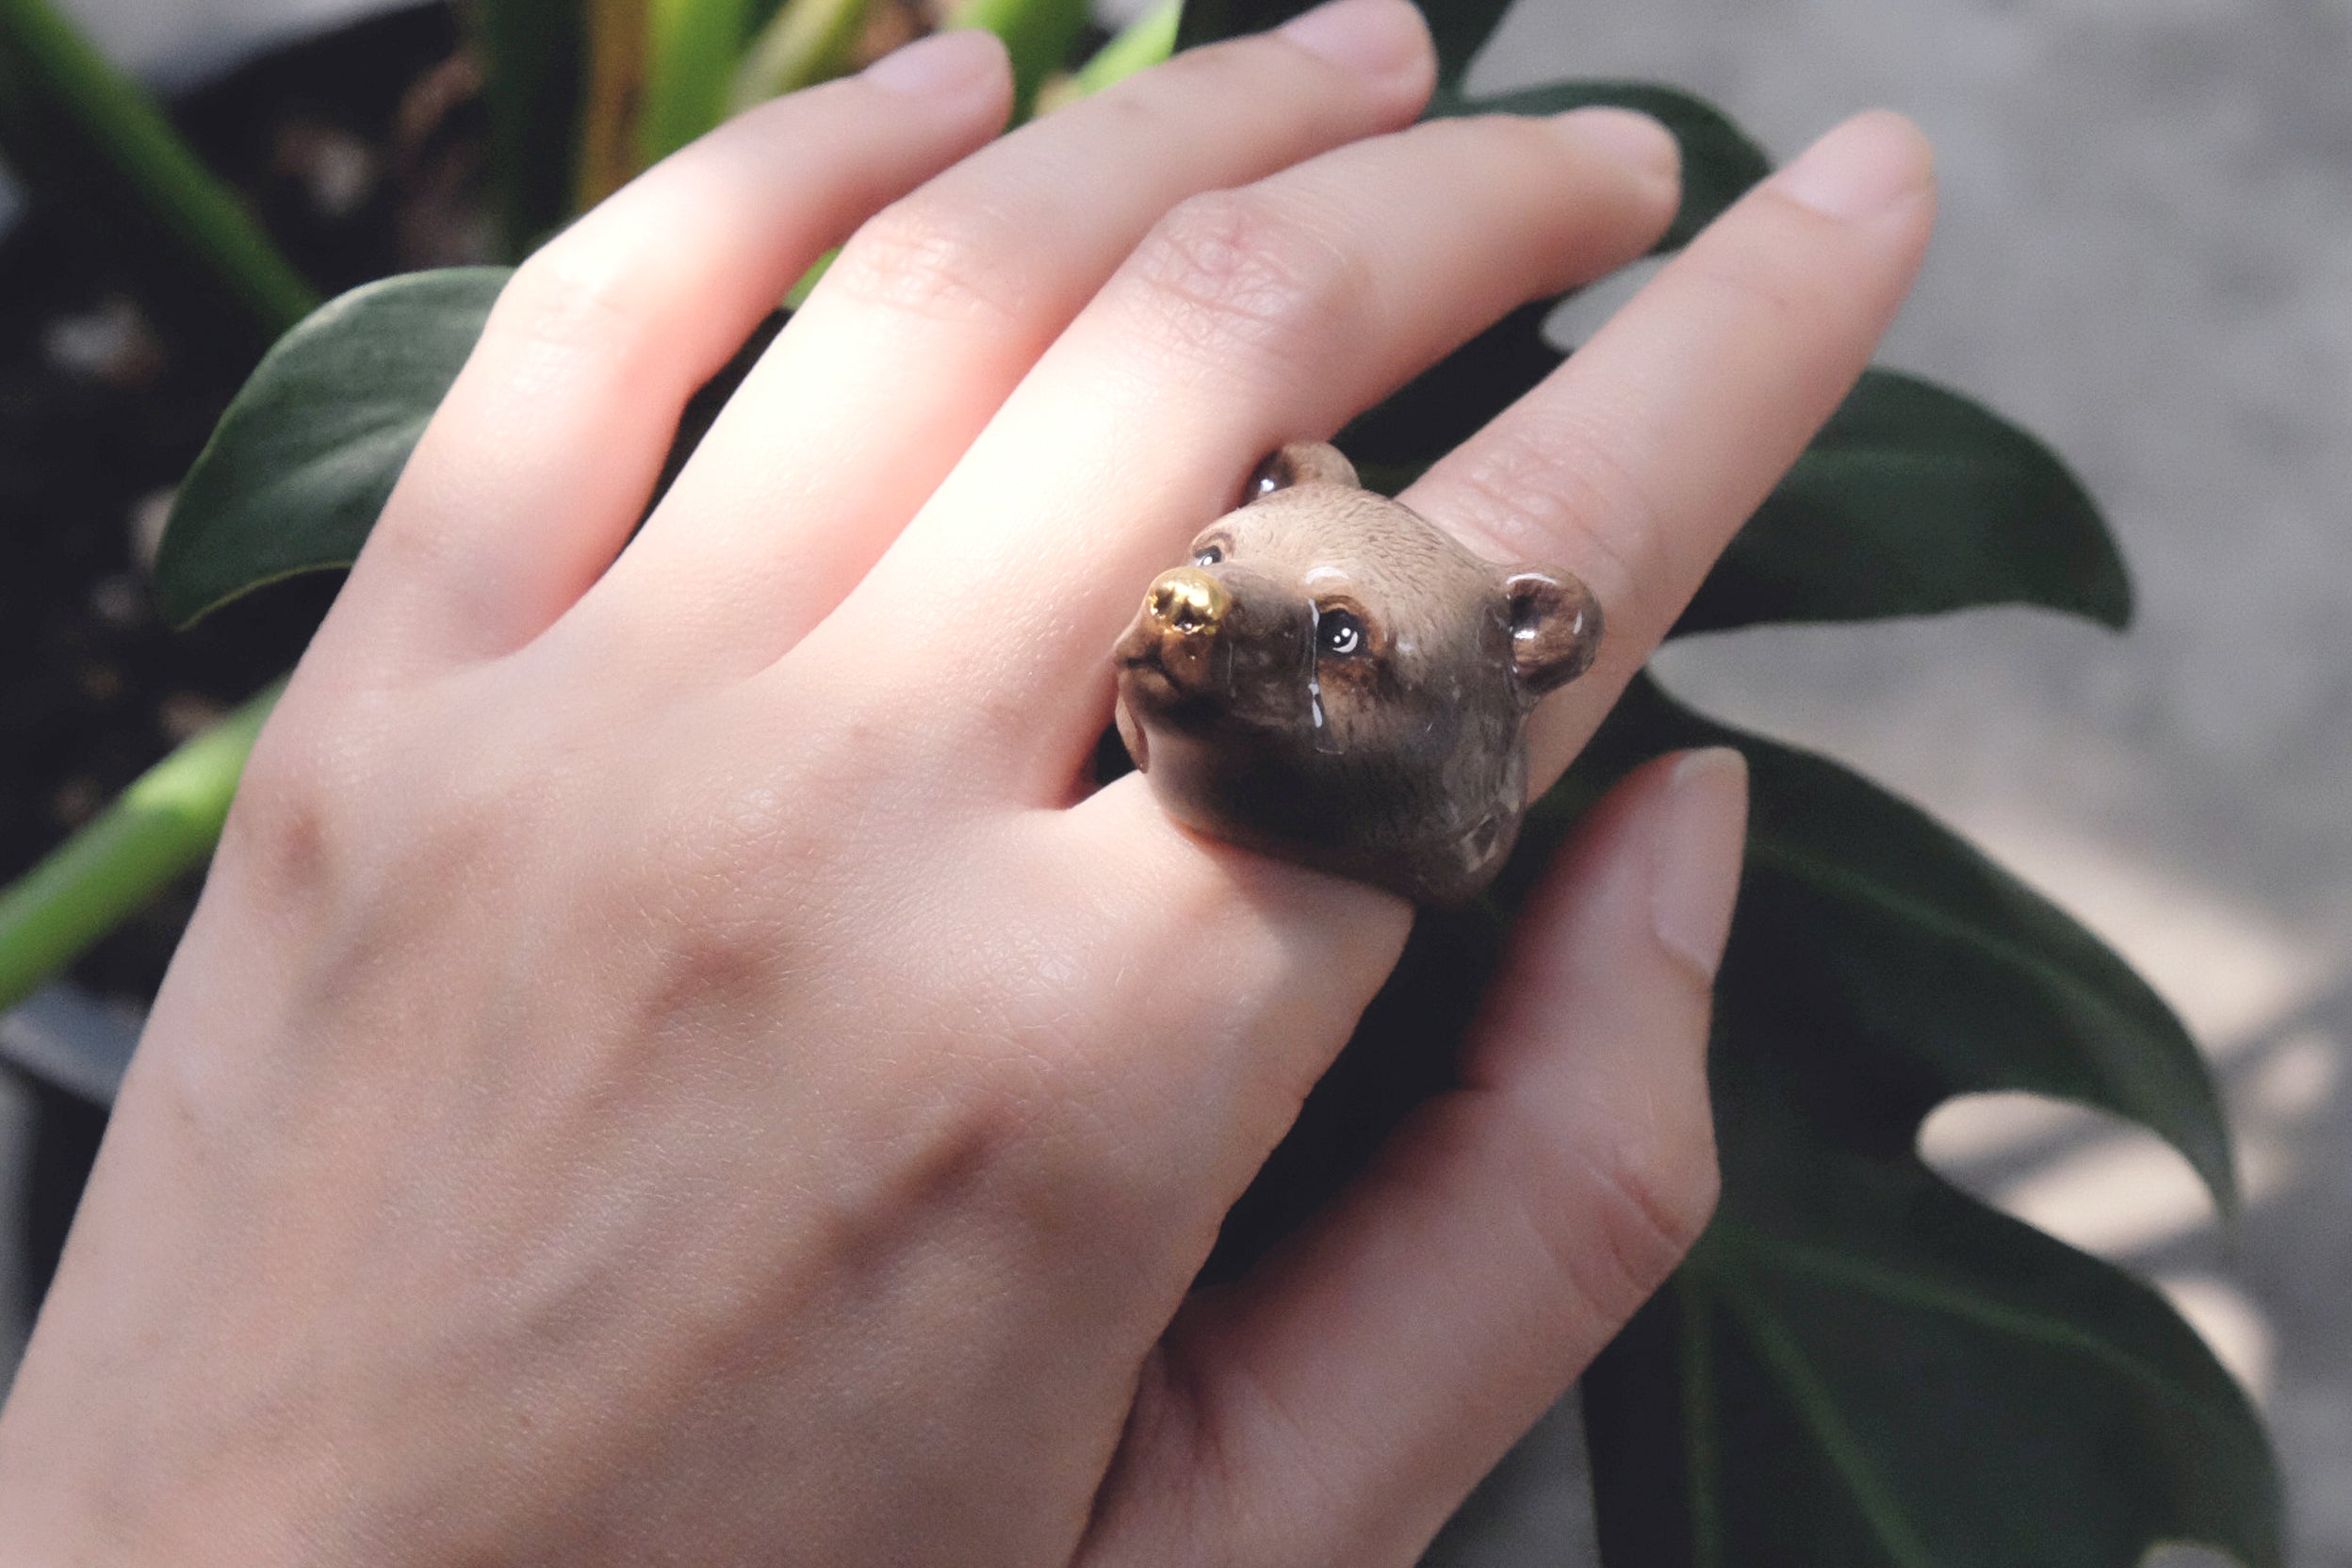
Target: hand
[{"x": 673, "y": 1064}]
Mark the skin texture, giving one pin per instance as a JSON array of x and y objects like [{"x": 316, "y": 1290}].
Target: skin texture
[
  {"x": 673, "y": 1066},
  {"x": 1336, "y": 682}
]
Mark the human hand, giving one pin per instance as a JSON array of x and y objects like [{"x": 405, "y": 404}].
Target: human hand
[{"x": 673, "y": 1064}]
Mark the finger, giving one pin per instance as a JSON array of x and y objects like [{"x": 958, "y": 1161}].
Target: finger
[
  {"x": 541, "y": 458},
  {"x": 1340, "y": 1402},
  {"x": 939, "y": 307},
  {"x": 1635, "y": 463},
  {"x": 1247, "y": 318}
]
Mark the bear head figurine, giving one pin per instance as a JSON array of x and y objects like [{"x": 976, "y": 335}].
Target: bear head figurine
[{"x": 1336, "y": 682}]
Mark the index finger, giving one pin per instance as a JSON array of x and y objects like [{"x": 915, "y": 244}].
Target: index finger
[{"x": 1635, "y": 462}]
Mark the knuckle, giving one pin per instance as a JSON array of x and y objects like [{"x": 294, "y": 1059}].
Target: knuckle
[
  {"x": 570, "y": 300},
  {"x": 1646, "y": 1199},
  {"x": 1243, "y": 269},
  {"x": 1750, "y": 281},
  {"x": 938, "y": 257},
  {"x": 1564, "y": 493}
]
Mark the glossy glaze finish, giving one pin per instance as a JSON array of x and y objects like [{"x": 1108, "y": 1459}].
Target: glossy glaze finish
[{"x": 1335, "y": 680}]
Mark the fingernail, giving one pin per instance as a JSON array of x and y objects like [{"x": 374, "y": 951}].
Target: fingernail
[
  {"x": 1861, "y": 169},
  {"x": 1632, "y": 138},
  {"x": 1377, "y": 38},
  {"x": 1694, "y": 870},
  {"x": 934, "y": 66}
]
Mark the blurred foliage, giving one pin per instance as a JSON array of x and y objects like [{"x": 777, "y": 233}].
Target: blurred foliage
[{"x": 1857, "y": 1365}]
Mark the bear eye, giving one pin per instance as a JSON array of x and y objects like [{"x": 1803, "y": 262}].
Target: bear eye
[
  {"x": 1339, "y": 632},
  {"x": 1207, "y": 555}
]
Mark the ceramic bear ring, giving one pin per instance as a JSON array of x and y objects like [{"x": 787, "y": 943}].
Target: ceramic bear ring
[{"x": 1335, "y": 680}]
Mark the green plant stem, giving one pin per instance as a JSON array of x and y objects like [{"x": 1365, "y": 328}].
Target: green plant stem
[
  {"x": 117, "y": 119},
  {"x": 806, "y": 43},
  {"x": 694, "y": 47},
  {"x": 1145, "y": 41},
  {"x": 1037, "y": 33},
  {"x": 160, "y": 827},
  {"x": 535, "y": 71}
]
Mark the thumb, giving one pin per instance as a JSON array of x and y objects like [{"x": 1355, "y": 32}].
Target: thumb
[{"x": 1340, "y": 1402}]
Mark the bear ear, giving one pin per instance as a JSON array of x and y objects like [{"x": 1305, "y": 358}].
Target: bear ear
[
  {"x": 1555, "y": 627},
  {"x": 1299, "y": 463}
]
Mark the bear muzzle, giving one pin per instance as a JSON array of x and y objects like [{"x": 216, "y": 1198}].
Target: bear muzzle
[{"x": 1177, "y": 632}]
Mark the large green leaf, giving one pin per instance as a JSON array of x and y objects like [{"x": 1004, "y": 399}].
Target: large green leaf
[
  {"x": 1718, "y": 160},
  {"x": 1925, "y": 501},
  {"x": 1926, "y": 969},
  {"x": 1859, "y": 1365},
  {"x": 307, "y": 452},
  {"x": 1459, "y": 28}
]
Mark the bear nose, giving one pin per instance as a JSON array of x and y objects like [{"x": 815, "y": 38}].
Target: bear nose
[{"x": 1187, "y": 602}]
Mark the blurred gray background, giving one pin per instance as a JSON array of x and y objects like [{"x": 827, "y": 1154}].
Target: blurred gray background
[{"x": 2145, "y": 256}]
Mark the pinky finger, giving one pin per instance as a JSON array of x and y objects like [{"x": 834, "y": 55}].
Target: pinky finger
[{"x": 1343, "y": 1400}]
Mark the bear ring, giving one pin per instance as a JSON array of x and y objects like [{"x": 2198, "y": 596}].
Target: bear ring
[{"x": 1335, "y": 680}]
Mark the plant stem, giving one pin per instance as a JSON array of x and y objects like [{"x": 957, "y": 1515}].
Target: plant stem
[
  {"x": 1037, "y": 33},
  {"x": 808, "y": 41},
  {"x": 617, "y": 83},
  {"x": 693, "y": 47},
  {"x": 1145, "y": 41},
  {"x": 535, "y": 69},
  {"x": 114, "y": 116},
  {"x": 163, "y": 826}
]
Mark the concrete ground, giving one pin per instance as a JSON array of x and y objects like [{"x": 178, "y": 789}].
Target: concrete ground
[{"x": 2146, "y": 255}]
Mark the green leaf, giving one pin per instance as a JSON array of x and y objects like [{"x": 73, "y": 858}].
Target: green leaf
[
  {"x": 1459, "y": 28},
  {"x": 1718, "y": 160},
  {"x": 307, "y": 452},
  {"x": 1925, "y": 970},
  {"x": 534, "y": 61},
  {"x": 67, "y": 117},
  {"x": 1924, "y": 501},
  {"x": 1859, "y": 1365}
]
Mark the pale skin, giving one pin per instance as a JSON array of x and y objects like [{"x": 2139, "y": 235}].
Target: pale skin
[{"x": 672, "y": 1065}]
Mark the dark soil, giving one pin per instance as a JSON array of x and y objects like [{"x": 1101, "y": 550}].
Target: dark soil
[{"x": 361, "y": 153}]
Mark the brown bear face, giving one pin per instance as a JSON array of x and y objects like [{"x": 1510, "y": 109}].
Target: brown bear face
[{"x": 1335, "y": 680}]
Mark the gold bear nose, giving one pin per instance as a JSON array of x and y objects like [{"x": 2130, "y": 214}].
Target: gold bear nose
[{"x": 1187, "y": 602}]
